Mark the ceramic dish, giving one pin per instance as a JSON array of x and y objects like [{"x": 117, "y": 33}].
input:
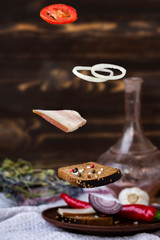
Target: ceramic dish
[{"x": 122, "y": 228}]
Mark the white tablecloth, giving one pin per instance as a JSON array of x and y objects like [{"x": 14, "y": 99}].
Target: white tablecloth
[{"x": 26, "y": 223}]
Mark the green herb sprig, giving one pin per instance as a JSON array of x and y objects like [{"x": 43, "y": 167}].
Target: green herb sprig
[{"x": 19, "y": 180}]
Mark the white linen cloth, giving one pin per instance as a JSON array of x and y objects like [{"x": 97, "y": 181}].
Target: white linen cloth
[{"x": 26, "y": 223}]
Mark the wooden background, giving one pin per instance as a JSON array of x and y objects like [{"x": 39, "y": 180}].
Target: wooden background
[{"x": 36, "y": 62}]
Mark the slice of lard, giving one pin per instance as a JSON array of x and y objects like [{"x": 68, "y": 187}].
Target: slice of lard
[
  {"x": 66, "y": 120},
  {"x": 75, "y": 211}
]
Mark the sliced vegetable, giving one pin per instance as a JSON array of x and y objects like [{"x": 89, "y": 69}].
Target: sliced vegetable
[
  {"x": 58, "y": 14},
  {"x": 90, "y": 78},
  {"x": 101, "y": 68},
  {"x": 74, "y": 203},
  {"x": 104, "y": 66},
  {"x": 139, "y": 212},
  {"x": 104, "y": 204}
]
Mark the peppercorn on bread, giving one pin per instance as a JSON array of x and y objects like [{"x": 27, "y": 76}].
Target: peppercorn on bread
[
  {"x": 87, "y": 220},
  {"x": 89, "y": 175}
]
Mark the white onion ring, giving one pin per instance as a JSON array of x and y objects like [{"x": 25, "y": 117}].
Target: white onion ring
[
  {"x": 102, "y": 67},
  {"x": 90, "y": 78}
]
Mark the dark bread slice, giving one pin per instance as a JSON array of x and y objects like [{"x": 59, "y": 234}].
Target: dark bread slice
[
  {"x": 89, "y": 175},
  {"x": 87, "y": 220}
]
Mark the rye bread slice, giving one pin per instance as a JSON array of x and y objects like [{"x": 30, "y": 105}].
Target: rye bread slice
[
  {"x": 89, "y": 175},
  {"x": 87, "y": 220}
]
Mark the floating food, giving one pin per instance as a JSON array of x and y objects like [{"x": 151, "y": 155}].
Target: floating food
[
  {"x": 66, "y": 120},
  {"x": 58, "y": 14},
  {"x": 89, "y": 175},
  {"x": 102, "y": 67}
]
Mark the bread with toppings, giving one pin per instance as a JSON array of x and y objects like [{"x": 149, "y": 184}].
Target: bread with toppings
[
  {"x": 89, "y": 175},
  {"x": 87, "y": 220}
]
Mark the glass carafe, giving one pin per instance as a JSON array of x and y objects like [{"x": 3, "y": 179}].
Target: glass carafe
[{"x": 133, "y": 153}]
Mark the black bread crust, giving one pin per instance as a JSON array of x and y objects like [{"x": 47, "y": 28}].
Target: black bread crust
[{"x": 100, "y": 182}]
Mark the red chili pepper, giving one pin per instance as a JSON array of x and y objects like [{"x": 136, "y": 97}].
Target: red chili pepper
[
  {"x": 139, "y": 212},
  {"x": 75, "y": 203}
]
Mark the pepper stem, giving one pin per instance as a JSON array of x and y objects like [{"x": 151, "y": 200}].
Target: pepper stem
[{"x": 157, "y": 216}]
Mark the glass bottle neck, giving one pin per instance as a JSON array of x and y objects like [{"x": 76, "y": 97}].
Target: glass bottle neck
[
  {"x": 132, "y": 101},
  {"x": 133, "y": 139}
]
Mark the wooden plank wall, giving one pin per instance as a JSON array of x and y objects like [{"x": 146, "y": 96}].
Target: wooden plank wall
[{"x": 36, "y": 62}]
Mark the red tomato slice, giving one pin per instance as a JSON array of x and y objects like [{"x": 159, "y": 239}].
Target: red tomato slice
[{"x": 58, "y": 14}]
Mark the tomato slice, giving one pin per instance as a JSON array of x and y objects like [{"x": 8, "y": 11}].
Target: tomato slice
[{"x": 58, "y": 14}]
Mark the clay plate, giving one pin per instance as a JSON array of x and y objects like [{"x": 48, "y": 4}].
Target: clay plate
[{"x": 122, "y": 228}]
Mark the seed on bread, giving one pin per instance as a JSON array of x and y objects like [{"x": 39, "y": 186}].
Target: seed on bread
[{"x": 97, "y": 175}]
